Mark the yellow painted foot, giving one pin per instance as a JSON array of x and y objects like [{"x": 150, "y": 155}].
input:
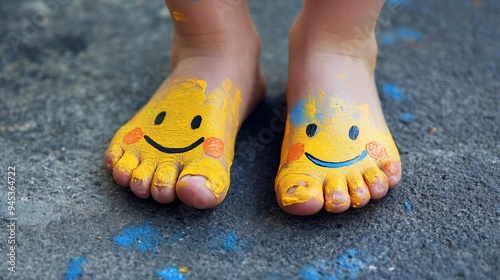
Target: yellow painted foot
[
  {"x": 180, "y": 144},
  {"x": 334, "y": 155}
]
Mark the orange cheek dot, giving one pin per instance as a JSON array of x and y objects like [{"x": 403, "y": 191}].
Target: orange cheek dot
[
  {"x": 295, "y": 152},
  {"x": 376, "y": 150},
  {"x": 133, "y": 136},
  {"x": 213, "y": 147}
]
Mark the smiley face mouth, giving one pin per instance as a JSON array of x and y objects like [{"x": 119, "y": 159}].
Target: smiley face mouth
[
  {"x": 173, "y": 150},
  {"x": 329, "y": 164}
]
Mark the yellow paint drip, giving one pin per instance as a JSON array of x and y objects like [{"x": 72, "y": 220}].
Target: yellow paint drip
[
  {"x": 182, "y": 125},
  {"x": 179, "y": 16}
]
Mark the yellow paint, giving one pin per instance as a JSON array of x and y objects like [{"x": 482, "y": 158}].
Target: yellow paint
[
  {"x": 183, "y": 269},
  {"x": 179, "y": 16},
  {"x": 340, "y": 76},
  {"x": 334, "y": 118},
  {"x": 182, "y": 101}
]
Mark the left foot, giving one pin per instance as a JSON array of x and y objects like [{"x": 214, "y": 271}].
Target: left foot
[{"x": 337, "y": 150}]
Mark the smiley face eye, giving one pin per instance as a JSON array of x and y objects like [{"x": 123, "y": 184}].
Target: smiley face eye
[
  {"x": 160, "y": 117},
  {"x": 353, "y": 132},
  {"x": 311, "y": 129},
  {"x": 196, "y": 122}
]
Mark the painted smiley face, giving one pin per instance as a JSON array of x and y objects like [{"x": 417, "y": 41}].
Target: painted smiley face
[
  {"x": 195, "y": 124},
  {"x": 331, "y": 135},
  {"x": 187, "y": 118},
  {"x": 311, "y": 130}
]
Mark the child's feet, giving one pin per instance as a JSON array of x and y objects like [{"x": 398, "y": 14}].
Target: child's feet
[
  {"x": 337, "y": 151},
  {"x": 181, "y": 143}
]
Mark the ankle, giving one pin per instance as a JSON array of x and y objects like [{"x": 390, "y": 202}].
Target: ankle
[
  {"x": 357, "y": 45},
  {"x": 237, "y": 42}
]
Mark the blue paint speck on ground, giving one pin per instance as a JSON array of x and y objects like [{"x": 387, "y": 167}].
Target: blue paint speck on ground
[
  {"x": 407, "y": 205},
  {"x": 407, "y": 117},
  {"x": 171, "y": 273},
  {"x": 144, "y": 238},
  {"x": 75, "y": 268},
  {"x": 309, "y": 273},
  {"x": 392, "y": 91},
  {"x": 403, "y": 34},
  {"x": 230, "y": 241},
  {"x": 177, "y": 236},
  {"x": 398, "y": 2}
]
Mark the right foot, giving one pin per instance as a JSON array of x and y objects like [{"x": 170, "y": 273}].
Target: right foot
[{"x": 181, "y": 143}]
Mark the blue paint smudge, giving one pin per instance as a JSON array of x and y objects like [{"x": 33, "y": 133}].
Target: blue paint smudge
[
  {"x": 407, "y": 117},
  {"x": 403, "y": 34},
  {"x": 392, "y": 91},
  {"x": 171, "y": 273},
  {"x": 298, "y": 113},
  {"x": 398, "y": 2},
  {"x": 230, "y": 241},
  {"x": 75, "y": 268},
  {"x": 144, "y": 238},
  {"x": 349, "y": 264},
  {"x": 407, "y": 205},
  {"x": 309, "y": 273}
]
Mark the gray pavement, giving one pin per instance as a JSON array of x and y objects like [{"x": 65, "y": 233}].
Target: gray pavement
[{"x": 73, "y": 71}]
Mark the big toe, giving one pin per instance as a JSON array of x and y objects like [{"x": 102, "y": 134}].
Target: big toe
[
  {"x": 194, "y": 191},
  {"x": 299, "y": 194}
]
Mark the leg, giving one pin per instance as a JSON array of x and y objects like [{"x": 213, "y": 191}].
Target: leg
[
  {"x": 337, "y": 150},
  {"x": 181, "y": 143}
]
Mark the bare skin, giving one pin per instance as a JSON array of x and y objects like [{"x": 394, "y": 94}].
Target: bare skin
[{"x": 212, "y": 46}]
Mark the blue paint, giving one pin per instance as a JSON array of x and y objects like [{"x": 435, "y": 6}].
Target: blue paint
[
  {"x": 407, "y": 117},
  {"x": 309, "y": 273},
  {"x": 75, "y": 268},
  {"x": 144, "y": 238},
  {"x": 329, "y": 164},
  {"x": 230, "y": 241},
  {"x": 403, "y": 34},
  {"x": 349, "y": 264},
  {"x": 298, "y": 113},
  {"x": 407, "y": 205},
  {"x": 392, "y": 91},
  {"x": 171, "y": 273},
  {"x": 398, "y": 2}
]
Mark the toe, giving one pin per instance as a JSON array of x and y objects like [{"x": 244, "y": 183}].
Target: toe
[
  {"x": 337, "y": 197},
  {"x": 299, "y": 194},
  {"x": 203, "y": 184},
  {"x": 360, "y": 195},
  {"x": 112, "y": 155},
  {"x": 194, "y": 191},
  {"x": 163, "y": 184},
  {"x": 377, "y": 182},
  {"x": 392, "y": 170},
  {"x": 122, "y": 171},
  {"x": 140, "y": 183}
]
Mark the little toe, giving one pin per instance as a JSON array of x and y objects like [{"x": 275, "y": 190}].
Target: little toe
[
  {"x": 140, "y": 183},
  {"x": 299, "y": 194},
  {"x": 194, "y": 191},
  {"x": 112, "y": 155},
  {"x": 163, "y": 184},
  {"x": 337, "y": 197},
  {"x": 377, "y": 182},
  {"x": 392, "y": 170},
  {"x": 359, "y": 192},
  {"x": 122, "y": 171}
]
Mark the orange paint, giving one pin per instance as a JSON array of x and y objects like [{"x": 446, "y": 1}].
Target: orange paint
[
  {"x": 295, "y": 152},
  {"x": 376, "y": 150},
  {"x": 133, "y": 136},
  {"x": 213, "y": 147}
]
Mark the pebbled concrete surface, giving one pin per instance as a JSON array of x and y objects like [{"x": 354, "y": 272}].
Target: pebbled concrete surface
[{"x": 76, "y": 70}]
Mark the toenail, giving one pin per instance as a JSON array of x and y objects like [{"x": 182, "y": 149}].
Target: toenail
[
  {"x": 198, "y": 178},
  {"x": 291, "y": 190},
  {"x": 185, "y": 178}
]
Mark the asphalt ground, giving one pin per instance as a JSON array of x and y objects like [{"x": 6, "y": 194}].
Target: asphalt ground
[{"x": 72, "y": 72}]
